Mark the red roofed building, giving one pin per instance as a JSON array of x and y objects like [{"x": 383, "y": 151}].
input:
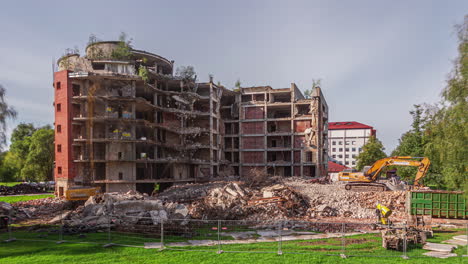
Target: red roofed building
[
  {"x": 346, "y": 139},
  {"x": 335, "y": 167}
]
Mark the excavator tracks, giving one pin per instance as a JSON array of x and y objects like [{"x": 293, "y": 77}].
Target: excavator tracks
[{"x": 366, "y": 187}]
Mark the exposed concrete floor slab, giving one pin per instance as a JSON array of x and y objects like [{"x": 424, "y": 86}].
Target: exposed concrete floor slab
[
  {"x": 463, "y": 238},
  {"x": 439, "y": 247},
  {"x": 455, "y": 242},
  {"x": 438, "y": 254}
]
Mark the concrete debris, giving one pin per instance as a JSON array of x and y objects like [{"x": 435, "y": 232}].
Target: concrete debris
[
  {"x": 5, "y": 208},
  {"x": 439, "y": 247},
  {"x": 45, "y": 208},
  {"x": 121, "y": 209},
  {"x": 438, "y": 254}
]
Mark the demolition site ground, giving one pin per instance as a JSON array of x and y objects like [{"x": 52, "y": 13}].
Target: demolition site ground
[
  {"x": 261, "y": 220},
  {"x": 34, "y": 252}
]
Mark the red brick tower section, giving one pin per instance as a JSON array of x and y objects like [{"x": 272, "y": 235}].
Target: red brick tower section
[{"x": 63, "y": 172}]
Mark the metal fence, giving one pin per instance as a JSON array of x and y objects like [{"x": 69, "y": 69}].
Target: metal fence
[{"x": 219, "y": 236}]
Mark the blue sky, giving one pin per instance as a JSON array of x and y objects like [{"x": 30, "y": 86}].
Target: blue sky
[{"x": 375, "y": 58}]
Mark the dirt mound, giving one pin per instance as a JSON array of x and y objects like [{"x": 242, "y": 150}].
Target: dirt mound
[{"x": 19, "y": 189}]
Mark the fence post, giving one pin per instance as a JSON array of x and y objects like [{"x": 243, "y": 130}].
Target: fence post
[
  {"x": 219, "y": 238},
  {"x": 405, "y": 242},
  {"x": 467, "y": 242},
  {"x": 109, "y": 237},
  {"x": 60, "y": 241},
  {"x": 162, "y": 234},
  {"x": 10, "y": 235},
  {"x": 343, "y": 241},
  {"x": 280, "y": 238}
]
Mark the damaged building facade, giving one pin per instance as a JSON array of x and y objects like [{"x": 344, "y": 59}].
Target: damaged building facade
[
  {"x": 124, "y": 121},
  {"x": 278, "y": 130}
]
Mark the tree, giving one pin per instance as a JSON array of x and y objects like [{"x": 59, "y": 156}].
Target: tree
[
  {"x": 123, "y": 51},
  {"x": 40, "y": 159},
  {"x": 446, "y": 130},
  {"x": 237, "y": 85},
  {"x": 411, "y": 143},
  {"x": 187, "y": 73},
  {"x": 372, "y": 151},
  {"x": 315, "y": 83},
  {"x": 7, "y": 173},
  {"x": 19, "y": 148},
  {"x": 6, "y": 112}
]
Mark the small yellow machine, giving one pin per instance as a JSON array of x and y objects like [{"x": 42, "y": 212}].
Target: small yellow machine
[
  {"x": 81, "y": 193},
  {"x": 367, "y": 178},
  {"x": 383, "y": 212}
]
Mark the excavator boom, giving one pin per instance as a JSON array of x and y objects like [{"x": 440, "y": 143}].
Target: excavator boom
[{"x": 370, "y": 175}]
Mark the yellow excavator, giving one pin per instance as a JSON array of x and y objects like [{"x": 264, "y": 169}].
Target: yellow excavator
[{"x": 366, "y": 180}]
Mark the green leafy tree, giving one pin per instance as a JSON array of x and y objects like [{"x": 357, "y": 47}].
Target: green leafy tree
[
  {"x": 40, "y": 159},
  {"x": 446, "y": 130},
  {"x": 19, "y": 148},
  {"x": 307, "y": 94},
  {"x": 411, "y": 143},
  {"x": 123, "y": 51},
  {"x": 372, "y": 151},
  {"x": 187, "y": 73},
  {"x": 237, "y": 85},
  {"x": 6, "y": 112},
  {"x": 7, "y": 173}
]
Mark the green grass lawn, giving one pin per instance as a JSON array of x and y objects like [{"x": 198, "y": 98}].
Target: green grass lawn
[
  {"x": 22, "y": 198},
  {"x": 9, "y": 183},
  {"x": 315, "y": 251}
]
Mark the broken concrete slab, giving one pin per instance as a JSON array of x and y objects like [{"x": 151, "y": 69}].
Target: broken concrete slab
[
  {"x": 157, "y": 216},
  {"x": 153, "y": 245},
  {"x": 134, "y": 206},
  {"x": 203, "y": 242},
  {"x": 439, "y": 254},
  {"x": 455, "y": 242},
  {"x": 239, "y": 235},
  {"x": 60, "y": 217},
  {"x": 463, "y": 238},
  {"x": 439, "y": 247}
]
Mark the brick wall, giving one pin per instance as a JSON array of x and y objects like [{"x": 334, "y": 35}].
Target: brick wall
[
  {"x": 63, "y": 159},
  {"x": 298, "y": 140},
  {"x": 253, "y": 128},
  {"x": 301, "y": 125},
  {"x": 253, "y": 157},
  {"x": 254, "y": 112},
  {"x": 252, "y": 143}
]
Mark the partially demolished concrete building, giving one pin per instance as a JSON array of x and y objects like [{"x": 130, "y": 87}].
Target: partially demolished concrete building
[
  {"x": 275, "y": 129},
  {"x": 123, "y": 122}
]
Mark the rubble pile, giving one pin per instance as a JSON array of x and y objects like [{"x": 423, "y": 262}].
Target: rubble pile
[
  {"x": 236, "y": 200},
  {"x": 332, "y": 200},
  {"x": 20, "y": 189},
  {"x": 125, "y": 209},
  {"x": 47, "y": 207}
]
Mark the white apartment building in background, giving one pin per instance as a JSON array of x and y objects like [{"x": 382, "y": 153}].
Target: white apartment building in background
[{"x": 346, "y": 139}]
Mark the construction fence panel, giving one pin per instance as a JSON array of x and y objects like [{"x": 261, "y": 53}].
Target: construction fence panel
[
  {"x": 134, "y": 231},
  {"x": 318, "y": 238},
  {"x": 365, "y": 240},
  {"x": 191, "y": 235},
  {"x": 249, "y": 236}
]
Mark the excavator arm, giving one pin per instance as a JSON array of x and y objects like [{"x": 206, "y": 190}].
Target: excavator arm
[
  {"x": 367, "y": 178},
  {"x": 379, "y": 165}
]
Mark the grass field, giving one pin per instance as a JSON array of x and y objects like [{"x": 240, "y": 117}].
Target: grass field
[
  {"x": 22, "y": 198},
  {"x": 315, "y": 251},
  {"x": 9, "y": 183}
]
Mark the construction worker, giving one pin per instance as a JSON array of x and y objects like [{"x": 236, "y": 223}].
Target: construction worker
[{"x": 156, "y": 189}]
